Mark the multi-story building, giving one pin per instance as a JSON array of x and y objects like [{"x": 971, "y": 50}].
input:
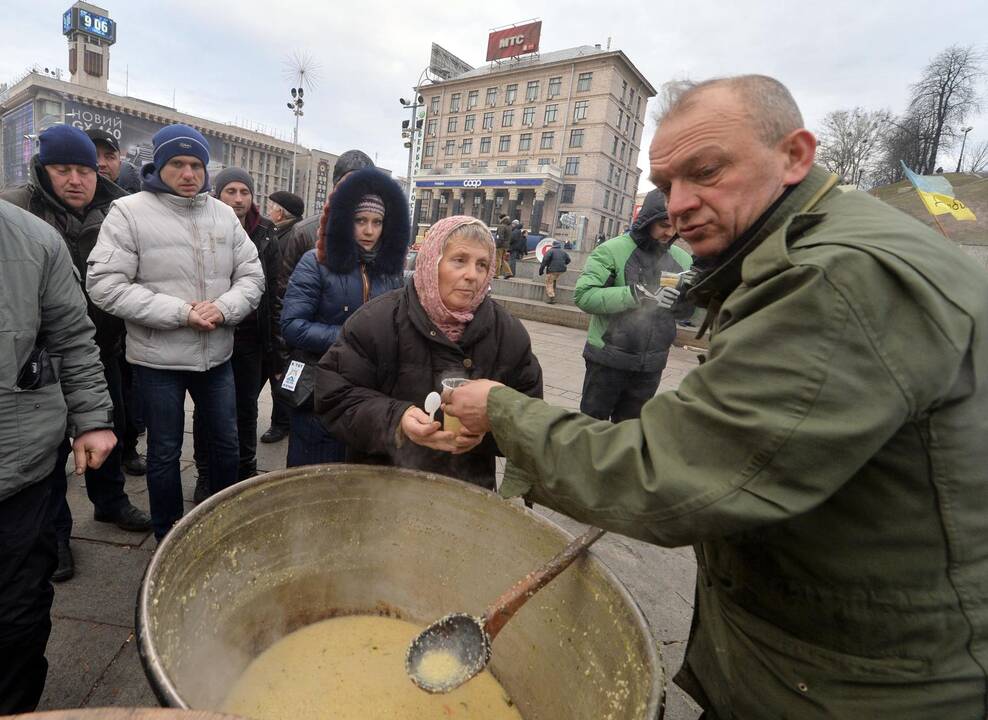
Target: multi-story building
[
  {"x": 551, "y": 140},
  {"x": 38, "y": 100}
]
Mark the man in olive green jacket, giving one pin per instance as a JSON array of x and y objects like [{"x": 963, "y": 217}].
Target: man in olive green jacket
[{"x": 828, "y": 459}]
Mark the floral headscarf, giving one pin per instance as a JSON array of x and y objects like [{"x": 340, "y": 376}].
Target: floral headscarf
[{"x": 450, "y": 322}]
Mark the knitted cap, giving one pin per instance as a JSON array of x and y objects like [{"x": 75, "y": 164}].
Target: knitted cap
[
  {"x": 66, "y": 145},
  {"x": 370, "y": 203},
  {"x": 179, "y": 140},
  {"x": 229, "y": 175}
]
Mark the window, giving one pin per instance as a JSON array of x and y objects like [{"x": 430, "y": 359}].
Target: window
[
  {"x": 507, "y": 118},
  {"x": 638, "y": 112},
  {"x": 551, "y": 111},
  {"x": 450, "y": 147},
  {"x": 430, "y": 127},
  {"x": 614, "y": 198},
  {"x": 576, "y": 138},
  {"x": 624, "y": 149},
  {"x": 451, "y": 125},
  {"x": 522, "y": 164},
  {"x": 427, "y": 166},
  {"x": 580, "y": 109},
  {"x": 569, "y": 191},
  {"x": 504, "y": 143},
  {"x": 621, "y": 206},
  {"x": 472, "y": 99},
  {"x": 627, "y": 123},
  {"x": 467, "y": 146},
  {"x": 528, "y": 116},
  {"x": 572, "y": 166},
  {"x": 624, "y": 89},
  {"x": 614, "y": 149},
  {"x": 434, "y": 105},
  {"x": 468, "y": 123},
  {"x": 532, "y": 91},
  {"x": 607, "y": 198},
  {"x": 610, "y": 172},
  {"x": 454, "y": 102},
  {"x": 465, "y": 165},
  {"x": 625, "y": 183},
  {"x": 631, "y": 98},
  {"x": 502, "y": 163},
  {"x": 477, "y": 200},
  {"x": 620, "y": 118},
  {"x": 491, "y": 96},
  {"x": 481, "y": 163},
  {"x": 525, "y": 142},
  {"x": 617, "y": 176},
  {"x": 488, "y": 121},
  {"x": 610, "y": 226},
  {"x": 510, "y": 93},
  {"x": 545, "y": 161},
  {"x": 430, "y": 148},
  {"x": 446, "y": 166},
  {"x": 555, "y": 86},
  {"x": 547, "y": 140},
  {"x": 485, "y": 144},
  {"x": 583, "y": 81}
]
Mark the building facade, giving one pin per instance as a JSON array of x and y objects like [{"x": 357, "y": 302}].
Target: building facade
[{"x": 551, "y": 140}]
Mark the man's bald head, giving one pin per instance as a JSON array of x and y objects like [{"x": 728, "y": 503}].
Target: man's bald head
[{"x": 769, "y": 105}]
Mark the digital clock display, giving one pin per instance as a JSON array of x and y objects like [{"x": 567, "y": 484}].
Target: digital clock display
[{"x": 79, "y": 20}]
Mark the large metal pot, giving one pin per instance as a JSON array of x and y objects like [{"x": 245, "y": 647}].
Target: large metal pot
[{"x": 280, "y": 551}]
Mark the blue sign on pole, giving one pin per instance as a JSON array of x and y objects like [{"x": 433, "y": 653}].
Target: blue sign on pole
[{"x": 480, "y": 182}]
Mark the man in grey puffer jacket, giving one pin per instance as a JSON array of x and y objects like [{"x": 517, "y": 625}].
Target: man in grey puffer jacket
[{"x": 176, "y": 264}]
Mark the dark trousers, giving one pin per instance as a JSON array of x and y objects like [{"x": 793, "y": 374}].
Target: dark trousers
[
  {"x": 616, "y": 395},
  {"x": 279, "y": 411},
  {"x": 248, "y": 379},
  {"x": 133, "y": 411},
  {"x": 309, "y": 443},
  {"x": 513, "y": 259},
  {"x": 105, "y": 485},
  {"x": 27, "y": 561},
  {"x": 164, "y": 406}
]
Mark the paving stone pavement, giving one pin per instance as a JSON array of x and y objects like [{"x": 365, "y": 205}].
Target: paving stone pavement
[{"x": 92, "y": 654}]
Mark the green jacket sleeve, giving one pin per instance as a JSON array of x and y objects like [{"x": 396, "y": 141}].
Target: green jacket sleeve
[
  {"x": 593, "y": 292},
  {"x": 762, "y": 432}
]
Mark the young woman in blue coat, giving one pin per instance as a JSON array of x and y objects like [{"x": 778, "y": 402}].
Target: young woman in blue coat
[{"x": 360, "y": 254}]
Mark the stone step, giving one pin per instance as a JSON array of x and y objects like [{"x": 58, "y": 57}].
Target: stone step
[
  {"x": 529, "y": 270},
  {"x": 572, "y": 316},
  {"x": 516, "y": 287}
]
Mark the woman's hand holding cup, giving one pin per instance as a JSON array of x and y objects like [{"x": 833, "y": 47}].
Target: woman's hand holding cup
[{"x": 421, "y": 430}]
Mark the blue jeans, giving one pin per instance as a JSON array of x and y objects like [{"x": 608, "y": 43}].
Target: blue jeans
[
  {"x": 163, "y": 395},
  {"x": 309, "y": 443}
]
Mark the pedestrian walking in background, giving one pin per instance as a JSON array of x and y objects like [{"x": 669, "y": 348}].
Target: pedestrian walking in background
[
  {"x": 125, "y": 176},
  {"x": 258, "y": 351},
  {"x": 401, "y": 346},
  {"x": 501, "y": 267},
  {"x": 553, "y": 265},
  {"x": 363, "y": 238},
  {"x": 285, "y": 210},
  {"x": 630, "y": 332},
  {"x": 519, "y": 245},
  {"x": 176, "y": 264},
  {"x": 66, "y": 191},
  {"x": 45, "y": 312}
]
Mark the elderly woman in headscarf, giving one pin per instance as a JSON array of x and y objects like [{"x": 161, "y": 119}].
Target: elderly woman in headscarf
[
  {"x": 371, "y": 385},
  {"x": 360, "y": 254}
]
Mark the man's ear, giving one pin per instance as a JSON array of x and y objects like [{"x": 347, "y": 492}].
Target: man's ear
[{"x": 799, "y": 147}]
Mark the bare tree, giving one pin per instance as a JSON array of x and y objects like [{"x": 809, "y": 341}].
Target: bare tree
[
  {"x": 944, "y": 97},
  {"x": 850, "y": 140},
  {"x": 979, "y": 157}
]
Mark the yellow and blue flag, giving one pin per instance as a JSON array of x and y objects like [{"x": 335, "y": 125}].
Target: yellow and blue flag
[{"x": 937, "y": 194}]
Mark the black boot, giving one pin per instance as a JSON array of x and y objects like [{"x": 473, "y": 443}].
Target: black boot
[
  {"x": 274, "y": 434},
  {"x": 202, "y": 490},
  {"x": 133, "y": 464},
  {"x": 128, "y": 517},
  {"x": 66, "y": 563}
]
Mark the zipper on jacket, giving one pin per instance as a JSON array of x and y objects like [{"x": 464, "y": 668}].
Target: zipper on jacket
[
  {"x": 201, "y": 266},
  {"x": 366, "y": 282}
]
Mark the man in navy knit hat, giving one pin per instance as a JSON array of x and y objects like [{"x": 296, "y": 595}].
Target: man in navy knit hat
[
  {"x": 257, "y": 345},
  {"x": 176, "y": 264},
  {"x": 66, "y": 191}
]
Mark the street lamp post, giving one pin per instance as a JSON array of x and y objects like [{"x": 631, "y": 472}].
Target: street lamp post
[
  {"x": 960, "y": 157},
  {"x": 409, "y": 130},
  {"x": 296, "y": 107}
]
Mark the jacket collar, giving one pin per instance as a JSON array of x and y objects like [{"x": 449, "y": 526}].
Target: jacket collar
[
  {"x": 719, "y": 277},
  {"x": 482, "y": 323},
  {"x": 106, "y": 193}
]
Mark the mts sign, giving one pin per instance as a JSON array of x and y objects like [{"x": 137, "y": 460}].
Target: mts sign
[{"x": 514, "y": 41}]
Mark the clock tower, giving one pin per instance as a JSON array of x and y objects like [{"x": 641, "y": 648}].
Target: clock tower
[{"x": 90, "y": 32}]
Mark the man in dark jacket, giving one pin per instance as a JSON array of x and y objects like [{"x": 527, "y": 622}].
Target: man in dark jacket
[
  {"x": 257, "y": 346},
  {"x": 553, "y": 265},
  {"x": 66, "y": 191},
  {"x": 285, "y": 210},
  {"x": 303, "y": 238},
  {"x": 125, "y": 176},
  {"x": 44, "y": 310},
  {"x": 630, "y": 331},
  {"x": 503, "y": 246},
  {"x": 518, "y": 247}
]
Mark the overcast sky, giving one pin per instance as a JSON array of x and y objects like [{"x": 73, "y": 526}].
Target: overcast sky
[{"x": 227, "y": 60}]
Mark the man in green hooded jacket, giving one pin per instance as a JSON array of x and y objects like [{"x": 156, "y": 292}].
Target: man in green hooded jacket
[{"x": 827, "y": 461}]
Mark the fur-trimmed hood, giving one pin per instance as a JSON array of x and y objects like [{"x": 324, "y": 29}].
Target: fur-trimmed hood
[{"x": 337, "y": 246}]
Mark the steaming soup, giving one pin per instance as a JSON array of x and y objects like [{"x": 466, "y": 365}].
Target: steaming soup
[{"x": 353, "y": 668}]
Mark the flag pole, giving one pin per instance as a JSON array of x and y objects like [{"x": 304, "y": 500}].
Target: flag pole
[{"x": 937, "y": 221}]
